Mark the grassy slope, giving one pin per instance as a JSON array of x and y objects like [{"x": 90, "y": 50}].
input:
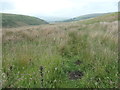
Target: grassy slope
[
  {"x": 85, "y": 17},
  {"x": 56, "y": 47},
  {"x": 14, "y": 20}
]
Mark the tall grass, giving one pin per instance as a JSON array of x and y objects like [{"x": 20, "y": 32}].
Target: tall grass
[{"x": 56, "y": 48}]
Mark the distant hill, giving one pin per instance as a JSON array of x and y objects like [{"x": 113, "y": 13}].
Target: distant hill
[
  {"x": 14, "y": 20},
  {"x": 88, "y": 16},
  {"x": 52, "y": 19}
]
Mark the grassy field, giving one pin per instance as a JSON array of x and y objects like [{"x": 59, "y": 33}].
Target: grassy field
[{"x": 81, "y": 54}]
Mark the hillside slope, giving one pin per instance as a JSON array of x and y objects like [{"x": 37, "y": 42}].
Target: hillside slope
[
  {"x": 83, "y": 17},
  {"x": 14, "y": 20}
]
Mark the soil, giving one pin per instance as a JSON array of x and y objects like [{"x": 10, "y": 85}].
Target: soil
[
  {"x": 74, "y": 75},
  {"x": 78, "y": 62}
]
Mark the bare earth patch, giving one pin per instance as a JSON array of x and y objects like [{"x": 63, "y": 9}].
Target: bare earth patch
[
  {"x": 78, "y": 62},
  {"x": 74, "y": 75}
]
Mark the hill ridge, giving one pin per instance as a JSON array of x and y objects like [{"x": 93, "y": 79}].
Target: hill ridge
[{"x": 17, "y": 20}]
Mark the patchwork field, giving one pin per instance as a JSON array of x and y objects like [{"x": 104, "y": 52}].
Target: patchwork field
[{"x": 79, "y": 54}]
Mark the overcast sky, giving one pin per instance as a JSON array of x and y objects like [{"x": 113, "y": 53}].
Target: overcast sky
[{"x": 58, "y": 8}]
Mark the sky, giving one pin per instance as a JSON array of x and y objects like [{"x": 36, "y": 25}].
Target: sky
[{"x": 58, "y": 8}]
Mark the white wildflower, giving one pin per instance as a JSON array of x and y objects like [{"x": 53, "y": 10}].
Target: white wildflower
[
  {"x": 55, "y": 80},
  {"x": 56, "y": 68},
  {"x": 30, "y": 78}
]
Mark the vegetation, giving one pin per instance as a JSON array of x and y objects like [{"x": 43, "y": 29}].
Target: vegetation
[
  {"x": 81, "y": 54},
  {"x": 13, "y": 20},
  {"x": 88, "y": 16}
]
